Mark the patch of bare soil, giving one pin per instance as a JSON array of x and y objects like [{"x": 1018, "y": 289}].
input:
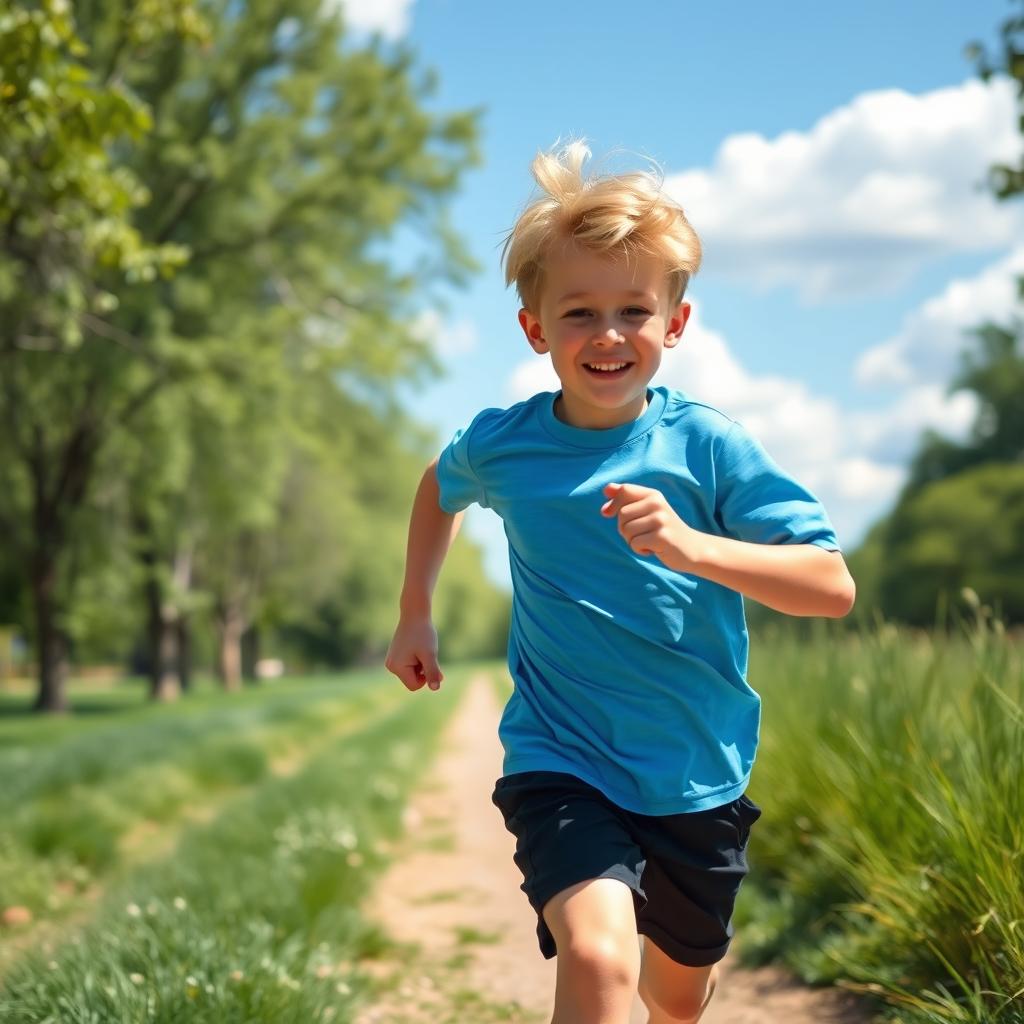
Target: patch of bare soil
[{"x": 466, "y": 937}]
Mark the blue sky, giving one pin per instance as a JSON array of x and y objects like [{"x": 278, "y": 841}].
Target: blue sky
[{"x": 830, "y": 156}]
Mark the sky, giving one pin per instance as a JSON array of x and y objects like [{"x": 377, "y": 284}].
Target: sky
[{"x": 831, "y": 157}]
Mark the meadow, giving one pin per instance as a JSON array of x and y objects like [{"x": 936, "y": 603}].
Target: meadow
[
  {"x": 206, "y": 861},
  {"x": 890, "y": 858}
]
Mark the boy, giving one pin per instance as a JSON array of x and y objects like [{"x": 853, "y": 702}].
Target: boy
[{"x": 636, "y": 519}]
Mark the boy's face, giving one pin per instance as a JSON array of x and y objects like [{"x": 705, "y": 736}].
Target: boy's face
[{"x": 605, "y": 321}]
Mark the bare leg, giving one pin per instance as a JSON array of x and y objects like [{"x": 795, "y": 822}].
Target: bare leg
[
  {"x": 672, "y": 992},
  {"x": 594, "y": 926}
]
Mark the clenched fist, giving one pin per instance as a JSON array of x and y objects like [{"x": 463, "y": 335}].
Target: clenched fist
[{"x": 649, "y": 526}]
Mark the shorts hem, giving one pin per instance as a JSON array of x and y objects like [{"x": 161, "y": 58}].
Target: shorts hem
[
  {"x": 619, "y": 872},
  {"x": 688, "y": 956}
]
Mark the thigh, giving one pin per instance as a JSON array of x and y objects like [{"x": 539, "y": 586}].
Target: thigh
[
  {"x": 566, "y": 833},
  {"x": 678, "y": 990},
  {"x": 599, "y": 908}
]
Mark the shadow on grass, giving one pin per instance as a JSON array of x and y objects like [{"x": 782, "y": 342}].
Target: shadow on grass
[{"x": 21, "y": 705}]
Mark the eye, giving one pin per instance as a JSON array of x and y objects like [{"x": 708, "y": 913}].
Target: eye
[
  {"x": 577, "y": 313},
  {"x": 636, "y": 311}
]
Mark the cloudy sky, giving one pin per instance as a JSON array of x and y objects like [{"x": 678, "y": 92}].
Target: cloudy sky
[{"x": 832, "y": 158}]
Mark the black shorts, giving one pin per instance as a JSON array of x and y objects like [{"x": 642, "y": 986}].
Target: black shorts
[{"x": 684, "y": 869}]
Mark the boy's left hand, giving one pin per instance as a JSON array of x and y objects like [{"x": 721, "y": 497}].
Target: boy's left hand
[{"x": 649, "y": 526}]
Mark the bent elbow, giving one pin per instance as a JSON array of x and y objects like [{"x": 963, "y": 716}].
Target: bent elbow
[{"x": 842, "y": 600}]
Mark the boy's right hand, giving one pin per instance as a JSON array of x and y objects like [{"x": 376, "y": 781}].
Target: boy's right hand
[{"x": 412, "y": 655}]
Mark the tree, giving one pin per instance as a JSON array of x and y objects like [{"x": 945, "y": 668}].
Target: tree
[
  {"x": 1006, "y": 180},
  {"x": 289, "y": 159},
  {"x": 65, "y": 219},
  {"x": 956, "y": 523},
  {"x": 280, "y": 163},
  {"x": 966, "y": 530}
]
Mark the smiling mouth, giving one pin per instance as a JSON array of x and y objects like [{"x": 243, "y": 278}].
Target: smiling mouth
[{"x": 610, "y": 370}]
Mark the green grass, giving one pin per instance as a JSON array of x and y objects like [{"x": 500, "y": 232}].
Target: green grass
[
  {"x": 255, "y": 915},
  {"x": 73, "y": 796},
  {"x": 891, "y": 852}
]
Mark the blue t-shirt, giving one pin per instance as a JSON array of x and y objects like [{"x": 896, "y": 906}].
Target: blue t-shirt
[{"x": 627, "y": 674}]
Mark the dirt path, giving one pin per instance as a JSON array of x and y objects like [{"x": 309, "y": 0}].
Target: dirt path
[{"x": 468, "y": 950}]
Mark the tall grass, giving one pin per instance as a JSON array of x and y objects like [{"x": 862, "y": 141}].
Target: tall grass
[{"x": 891, "y": 853}]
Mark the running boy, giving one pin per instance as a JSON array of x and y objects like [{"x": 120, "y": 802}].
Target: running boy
[{"x": 636, "y": 518}]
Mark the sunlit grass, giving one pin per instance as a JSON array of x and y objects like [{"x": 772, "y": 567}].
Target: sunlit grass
[
  {"x": 256, "y": 914},
  {"x": 69, "y": 804},
  {"x": 891, "y": 853}
]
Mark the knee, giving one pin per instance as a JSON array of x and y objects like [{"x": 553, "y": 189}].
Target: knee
[
  {"x": 603, "y": 958},
  {"x": 684, "y": 1007},
  {"x": 681, "y": 1003}
]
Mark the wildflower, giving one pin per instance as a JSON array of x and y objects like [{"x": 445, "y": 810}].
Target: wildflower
[
  {"x": 135, "y": 978},
  {"x": 324, "y": 971},
  {"x": 236, "y": 975},
  {"x": 343, "y": 989},
  {"x": 191, "y": 987},
  {"x": 179, "y": 903},
  {"x": 133, "y": 910},
  {"x": 354, "y": 859}
]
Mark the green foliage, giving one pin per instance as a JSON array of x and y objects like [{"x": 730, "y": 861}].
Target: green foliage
[
  {"x": 964, "y": 531},
  {"x": 889, "y": 851},
  {"x": 177, "y": 433},
  {"x": 993, "y": 370},
  {"x": 1006, "y": 180},
  {"x": 956, "y": 522}
]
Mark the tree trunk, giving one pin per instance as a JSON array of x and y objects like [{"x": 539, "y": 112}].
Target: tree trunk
[
  {"x": 164, "y": 682},
  {"x": 230, "y": 627},
  {"x": 51, "y": 642},
  {"x": 184, "y": 653},
  {"x": 54, "y": 505},
  {"x": 250, "y": 653}
]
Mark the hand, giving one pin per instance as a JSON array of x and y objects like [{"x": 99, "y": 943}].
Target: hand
[
  {"x": 412, "y": 655},
  {"x": 649, "y": 526}
]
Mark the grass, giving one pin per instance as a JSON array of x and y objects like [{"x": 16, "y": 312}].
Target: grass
[
  {"x": 891, "y": 854},
  {"x": 73, "y": 801},
  {"x": 255, "y": 915}
]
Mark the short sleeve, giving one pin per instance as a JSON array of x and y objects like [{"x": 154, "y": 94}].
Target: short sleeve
[
  {"x": 757, "y": 501},
  {"x": 457, "y": 481}
]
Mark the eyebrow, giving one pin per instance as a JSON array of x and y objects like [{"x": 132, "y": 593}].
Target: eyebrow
[{"x": 632, "y": 294}]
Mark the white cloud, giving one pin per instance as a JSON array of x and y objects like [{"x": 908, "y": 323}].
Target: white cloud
[
  {"x": 857, "y": 203},
  {"x": 389, "y": 17},
  {"x": 928, "y": 345},
  {"x": 855, "y": 461},
  {"x": 446, "y": 339},
  {"x": 531, "y": 377}
]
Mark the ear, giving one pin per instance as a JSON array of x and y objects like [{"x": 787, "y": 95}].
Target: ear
[
  {"x": 533, "y": 331},
  {"x": 676, "y": 324}
]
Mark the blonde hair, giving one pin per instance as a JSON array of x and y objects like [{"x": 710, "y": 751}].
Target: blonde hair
[{"x": 627, "y": 214}]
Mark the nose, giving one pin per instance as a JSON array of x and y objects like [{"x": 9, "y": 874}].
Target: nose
[{"x": 609, "y": 334}]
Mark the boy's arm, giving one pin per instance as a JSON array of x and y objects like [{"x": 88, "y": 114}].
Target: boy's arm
[
  {"x": 412, "y": 655},
  {"x": 798, "y": 579}
]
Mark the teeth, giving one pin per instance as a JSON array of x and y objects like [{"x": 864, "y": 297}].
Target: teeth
[{"x": 607, "y": 366}]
